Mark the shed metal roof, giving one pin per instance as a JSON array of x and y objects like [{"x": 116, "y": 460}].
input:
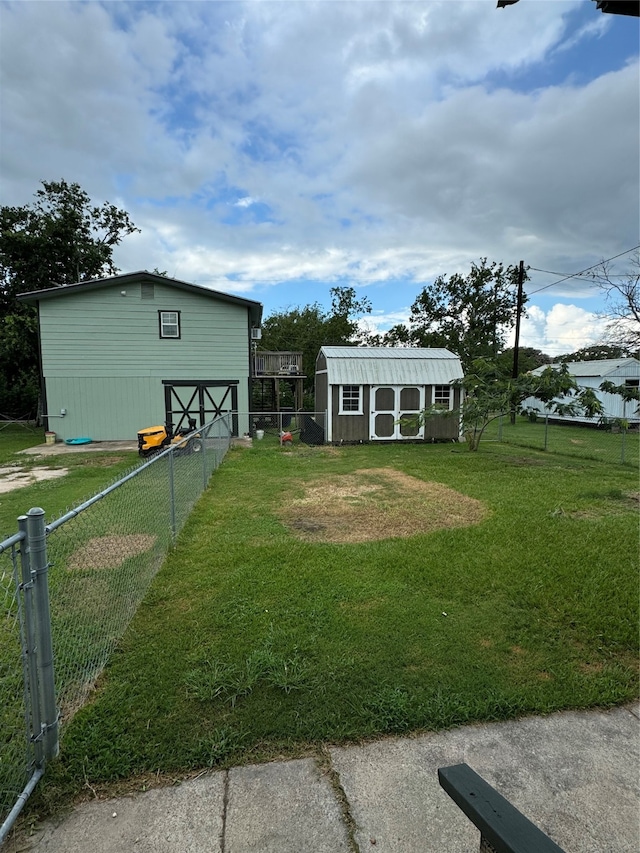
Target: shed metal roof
[
  {"x": 603, "y": 367},
  {"x": 391, "y": 366}
]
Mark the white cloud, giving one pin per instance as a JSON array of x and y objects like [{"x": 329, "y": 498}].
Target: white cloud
[
  {"x": 563, "y": 328},
  {"x": 370, "y": 131}
]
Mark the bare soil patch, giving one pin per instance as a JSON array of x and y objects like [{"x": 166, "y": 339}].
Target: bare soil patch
[
  {"x": 108, "y": 552},
  {"x": 377, "y": 503},
  {"x": 17, "y": 477}
]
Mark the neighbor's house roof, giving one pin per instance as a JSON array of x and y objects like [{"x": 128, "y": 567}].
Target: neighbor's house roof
[
  {"x": 391, "y": 365},
  {"x": 602, "y": 367},
  {"x": 254, "y": 308}
]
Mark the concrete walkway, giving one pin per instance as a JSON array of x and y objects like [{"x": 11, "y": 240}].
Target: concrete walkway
[{"x": 574, "y": 774}]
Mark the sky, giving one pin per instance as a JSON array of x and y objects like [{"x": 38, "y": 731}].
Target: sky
[{"x": 278, "y": 149}]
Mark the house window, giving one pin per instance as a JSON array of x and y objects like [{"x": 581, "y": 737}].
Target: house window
[
  {"x": 442, "y": 396},
  {"x": 169, "y": 324},
  {"x": 350, "y": 400}
]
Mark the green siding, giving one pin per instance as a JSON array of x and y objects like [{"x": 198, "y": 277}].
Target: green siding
[
  {"x": 113, "y": 409},
  {"x": 102, "y": 333},
  {"x": 104, "y": 361}
]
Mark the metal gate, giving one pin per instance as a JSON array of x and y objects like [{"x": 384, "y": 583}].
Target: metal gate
[
  {"x": 202, "y": 401},
  {"x": 394, "y": 412}
]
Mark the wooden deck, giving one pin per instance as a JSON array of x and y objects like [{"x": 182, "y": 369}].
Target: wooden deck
[{"x": 279, "y": 364}]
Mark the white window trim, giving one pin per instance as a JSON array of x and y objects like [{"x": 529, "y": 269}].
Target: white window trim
[
  {"x": 341, "y": 411},
  {"x": 444, "y": 385},
  {"x": 161, "y": 322}
]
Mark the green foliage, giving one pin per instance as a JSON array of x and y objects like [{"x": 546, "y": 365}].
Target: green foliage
[
  {"x": 529, "y": 359},
  {"x": 19, "y": 370},
  {"x": 487, "y": 395},
  {"x": 596, "y": 352},
  {"x": 306, "y": 329},
  {"x": 59, "y": 239},
  {"x": 468, "y": 315}
]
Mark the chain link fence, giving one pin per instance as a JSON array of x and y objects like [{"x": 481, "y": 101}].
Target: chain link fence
[
  {"x": 17, "y": 758},
  {"x": 614, "y": 445},
  {"x": 307, "y": 427},
  {"x": 93, "y": 567}
]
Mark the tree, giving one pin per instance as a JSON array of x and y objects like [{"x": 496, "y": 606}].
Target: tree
[
  {"x": 528, "y": 359},
  {"x": 594, "y": 353},
  {"x": 622, "y": 297},
  {"x": 488, "y": 394},
  {"x": 59, "y": 239},
  {"x": 469, "y": 315},
  {"x": 306, "y": 329}
]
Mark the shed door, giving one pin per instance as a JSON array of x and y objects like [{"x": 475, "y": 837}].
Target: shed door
[
  {"x": 203, "y": 401},
  {"x": 390, "y": 405}
]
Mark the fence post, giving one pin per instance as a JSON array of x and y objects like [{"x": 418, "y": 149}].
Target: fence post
[
  {"x": 203, "y": 453},
  {"x": 37, "y": 544},
  {"x": 31, "y": 652},
  {"x": 546, "y": 432},
  {"x": 172, "y": 498}
]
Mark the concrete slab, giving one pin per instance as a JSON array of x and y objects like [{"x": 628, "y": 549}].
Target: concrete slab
[
  {"x": 60, "y": 448},
  {"x": 286, "y": 807},
  {"x": 187, "y": 818},
  {"x": 573, "y": 774}
]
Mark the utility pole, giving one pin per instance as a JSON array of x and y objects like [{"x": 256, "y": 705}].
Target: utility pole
[
  {"x": 518, "y": 315},
  {"x": 514, "y": 372}
]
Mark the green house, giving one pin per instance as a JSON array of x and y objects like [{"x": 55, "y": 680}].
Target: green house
[{"x": 136, "y": 350}]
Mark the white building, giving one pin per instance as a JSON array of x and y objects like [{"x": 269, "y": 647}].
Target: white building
[{"x": 591, "y": 374}]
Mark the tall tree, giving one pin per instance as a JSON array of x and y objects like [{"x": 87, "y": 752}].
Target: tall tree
[
  {"x": 58, "y": 239},
  {"x": 528, "y": 359},
  {"x": 469, "y": 315}
]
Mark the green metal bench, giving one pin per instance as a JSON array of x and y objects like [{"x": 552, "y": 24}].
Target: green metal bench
[{"x": 503, "y": 829}]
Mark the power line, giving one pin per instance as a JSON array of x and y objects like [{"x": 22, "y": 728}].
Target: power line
[{"x": 575, "y": 274}]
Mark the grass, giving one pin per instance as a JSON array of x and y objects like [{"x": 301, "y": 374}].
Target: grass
[
  {"x": 254, "y": 642},
  {"x": 88, "y": 473},
  {"x": 569, "y": 440}
]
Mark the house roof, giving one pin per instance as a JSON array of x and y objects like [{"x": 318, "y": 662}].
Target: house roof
[
  {"x": 601, "y": 367},
  {"x": 391, "y": 365},
  {"x": 126, "y": 279}
]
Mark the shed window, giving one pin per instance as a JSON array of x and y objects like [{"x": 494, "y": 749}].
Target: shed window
[
  {"x": 169, "y": 324},
  {"x": 442, "y": 396},
  {"x": 350, "y": 399}
]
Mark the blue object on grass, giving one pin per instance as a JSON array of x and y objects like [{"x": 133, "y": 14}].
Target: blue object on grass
[{"x": 78, "y": 440}]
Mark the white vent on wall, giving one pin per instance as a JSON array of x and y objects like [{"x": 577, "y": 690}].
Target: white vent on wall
[{"x": 256, "y": 334}]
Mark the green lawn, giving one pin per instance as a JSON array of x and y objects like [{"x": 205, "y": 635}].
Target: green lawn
[
  {"x": 569, "y": 440},
  {"x": 254, "y": 643}
]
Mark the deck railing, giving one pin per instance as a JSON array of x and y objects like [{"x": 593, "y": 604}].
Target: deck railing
[{"x": 277, "y": 364}]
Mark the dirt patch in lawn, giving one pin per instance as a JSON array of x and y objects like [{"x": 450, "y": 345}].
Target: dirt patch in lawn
[
  {"x": 108, "y": 552},
  {"x": 16, "y": 477},
  {"x": 377, "y": 503}
]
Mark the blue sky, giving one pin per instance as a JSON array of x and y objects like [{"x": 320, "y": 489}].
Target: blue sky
[{"x": 278, "y": 149}]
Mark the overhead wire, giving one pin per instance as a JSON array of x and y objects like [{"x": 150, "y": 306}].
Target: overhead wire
[{"x": 576, "y": 274}]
